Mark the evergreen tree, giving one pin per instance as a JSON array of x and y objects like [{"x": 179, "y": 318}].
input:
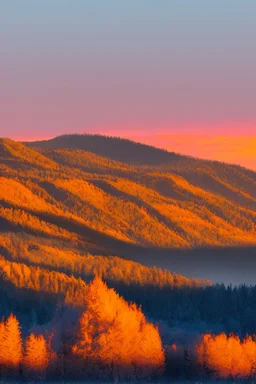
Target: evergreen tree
[
  {"x": 10, "y": 345},
  {"x": 114, "y": 339},
  {"x": 36, "y": 356}
]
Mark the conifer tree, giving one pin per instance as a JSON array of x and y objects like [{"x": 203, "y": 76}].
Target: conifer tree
[
  {"x": 10, "y": 345},
  {"x": 36, "y": 356},
  {"x": 114, "y": 339}
]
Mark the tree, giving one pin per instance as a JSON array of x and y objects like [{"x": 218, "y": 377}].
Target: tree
[
  {"x": 10, "y": 345},
  {"x": 114, "y": 339},
  {"x": 227, "y": 356},
  {"x": 36, "y": 356}
]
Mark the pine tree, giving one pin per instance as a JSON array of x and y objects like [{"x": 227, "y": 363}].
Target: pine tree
[
  {"x": 2, "y": 346},
  {"x": 10, "y": 345}
]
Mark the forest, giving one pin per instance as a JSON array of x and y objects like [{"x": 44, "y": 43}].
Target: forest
[
  {"x": 79, "y": 297},
  {"x": 89, "y": 331}
]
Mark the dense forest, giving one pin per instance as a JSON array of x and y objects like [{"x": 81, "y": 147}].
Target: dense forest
[
  {"x": 140, "y": 204},
  {"x": 78, "y": 331},
  {"x": 75, "y": 302}
]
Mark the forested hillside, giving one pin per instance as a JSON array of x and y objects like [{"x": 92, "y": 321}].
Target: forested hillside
[
  {"x": 120, "y": 198},
  {"x": 145, "y": 196},
  {"x": 57, "y": 230},
  {"x": 76, "y": 215}
]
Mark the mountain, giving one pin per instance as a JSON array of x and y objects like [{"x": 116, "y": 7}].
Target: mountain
[
  {"x": 112, "y": 152},
  {"x": 105, "y": 196},
  {"x": 55, "y": 227}
]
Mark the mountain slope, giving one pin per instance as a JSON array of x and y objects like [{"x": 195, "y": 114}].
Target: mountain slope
[
  {"x": 111, "y": 152},
  {"x": 140, "y": 212},
  {"x": 179, "y": 202},
  {"x": 16, "y": 156}
]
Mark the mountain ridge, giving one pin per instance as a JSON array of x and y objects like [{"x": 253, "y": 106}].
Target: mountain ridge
[
  {"x": 93, "y": 143},
  {"x": 103, "y": 146}
]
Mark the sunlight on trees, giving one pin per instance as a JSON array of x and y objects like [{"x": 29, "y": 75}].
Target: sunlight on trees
[
  {"x": 36, "y": 356},
  {"x": 10, "y": 345},
  {"x": 114, "y": 338},
  {"x": 227, "y": 356}
]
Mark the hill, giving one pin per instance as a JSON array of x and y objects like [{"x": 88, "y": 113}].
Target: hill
[
  {"x": 15, "y": 155},
  {"x": 156, "y": 208},
  {"x": 121, "y": 154},
  {"x": 188, "y": 202},
  {"x": 59, "y": 228},
  {"x": 111, "y": 147}
]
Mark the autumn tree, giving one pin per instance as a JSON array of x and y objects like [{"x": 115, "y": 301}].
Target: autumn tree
[
  {"x": 2, "y": 346},
  {"x": 10, "y": 346},
  {"x": 114, "y": 339},
  {"x": 227, "y": 356},
  {"x": 36, "y": 356}
]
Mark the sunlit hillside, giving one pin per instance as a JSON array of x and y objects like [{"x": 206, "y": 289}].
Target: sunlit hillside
[
  {"x": 62, "y": 223},
  {"x": 176, "y": 203},
  {"x": 112, "y": 197},
  {"x": 151, "y": 198}
]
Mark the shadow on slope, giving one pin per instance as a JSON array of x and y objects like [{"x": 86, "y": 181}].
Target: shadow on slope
[
  {"x": 110, "y": 189},
  {"x": 234, "y": 265}
]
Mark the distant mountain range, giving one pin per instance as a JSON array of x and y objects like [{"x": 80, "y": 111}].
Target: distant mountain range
[{"x": 109, "y": 196}]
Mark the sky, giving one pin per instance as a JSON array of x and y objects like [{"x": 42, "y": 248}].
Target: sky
[{"x": 177, "y": 74}]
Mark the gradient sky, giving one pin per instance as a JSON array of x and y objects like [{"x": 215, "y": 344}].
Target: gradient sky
[{"x": 137, "y": 68}]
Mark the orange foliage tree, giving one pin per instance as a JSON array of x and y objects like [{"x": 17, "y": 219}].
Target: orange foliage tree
[
  {"x": 227, "y": 356},
  {"x": 36, "y": 356},
  {"x": 10, "y": 345},
  {"x": 114, "y": 339}
]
